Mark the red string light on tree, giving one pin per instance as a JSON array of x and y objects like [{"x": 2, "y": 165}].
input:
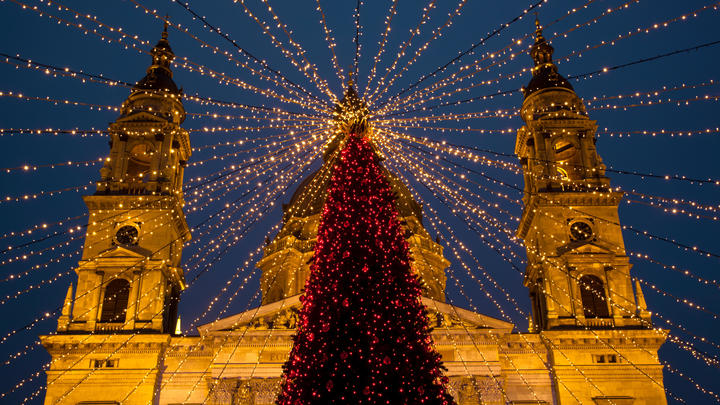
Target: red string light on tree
[{"x": 363, "y": 332}]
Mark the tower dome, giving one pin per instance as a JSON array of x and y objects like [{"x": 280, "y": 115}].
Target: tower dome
[
  {"x": 548, "y": 95},
  {"x": 156, "y": 93},
  {"x": 287, "y": 257}
]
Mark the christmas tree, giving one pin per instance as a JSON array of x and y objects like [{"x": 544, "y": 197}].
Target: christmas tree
[{"x": 363, "y": 334}]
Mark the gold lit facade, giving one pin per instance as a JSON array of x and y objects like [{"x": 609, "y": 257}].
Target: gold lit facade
[{"x": 591, "y": 339}]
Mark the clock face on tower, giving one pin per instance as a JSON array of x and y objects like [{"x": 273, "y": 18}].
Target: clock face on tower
[
  {"x": 580, "y": 231},
  {"x": 127, "y": 235}
]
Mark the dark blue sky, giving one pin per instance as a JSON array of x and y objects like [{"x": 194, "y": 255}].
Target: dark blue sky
[{"x": 32, "y": 36}]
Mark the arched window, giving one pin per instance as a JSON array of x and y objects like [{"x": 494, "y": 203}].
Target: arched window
[
  {"x": 115, "y": 301},
  {"x": 592, "y": 293},
  {"x": 138, "y": 167}
]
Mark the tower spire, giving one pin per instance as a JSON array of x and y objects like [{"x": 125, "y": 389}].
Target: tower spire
[
  {"x": 165, "y": 27},
  {"x": 159, "y": 75},
  {"x": 350, "y": 81},
  {"x": 545, "y": 72},
  {"x": 541, "y": 51},
  {"x": 538, "y": 28}
]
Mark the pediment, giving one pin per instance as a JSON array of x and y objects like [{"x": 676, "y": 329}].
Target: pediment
[
  {"x": 141, "y": 116},
  {"x": 595, "y": 246},
  {"x": 283, "y": 315},
  {"x": 444, "y": 314},
  {"x": 268, "y": 316},
  {"x": 126, "y": 251}
]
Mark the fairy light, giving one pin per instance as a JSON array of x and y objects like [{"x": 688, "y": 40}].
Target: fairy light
[
  {"x": 320, "y": 82},
  {"x": 302, "y": 66},
  {"x": 464, "y": 152},
  {"x": 673, "y": 210},
  {"x": 651, "y": 93},
  {"x": 588, "y": 101},
  {"x": 639, "y": 30},
  {"x": 356, "y": 40},
  {"x": 45, "y": 66},
  {"x": 639, "y": 232},
  {"x": 49, "y": 193},
  {"x": 330, "y": 43},
  {"x": 35, "y": 167},
  {"x": 383, "y": 42},
  {"x": 313, "y": 190},
  {"x": 202, "y": 100},
  {"x": 236, "y": 154},
  {"x": 42, "y": 226},
  {"x": 92, "y": 107},
  {"x": 247, "y": 54},
  {"x": 254, "y": 213},
  {"x": 681, "y": 301},
  {"x": 218, "y": 316},
  {"x": 150, "y": 290},
  {"x": 676, "y": 268},
  {"x": 660, "y": 132},
  {"x": 436, "y": 33},
  {"x": 422, "y": 94},
  {"x": 685, "y": 272},
  {"x": 403, "y": 48},
  {"x": 187, "y": 65},
  {"x": 103, "y": 107},
  {"x": 470, "y": 50},
  {"x": 55, "y": 71},
  {"x": 459, "y": 285},
  {"x": 448, "y": 151},
  {"x": 203, "y": 69},
  {"x": 78, "y": 253},
  {"x": 508, "y": 297},
  {"x": 425, "y": 171},
  {"x": 643, "y": 103},
  {"x": 513, "y": 75},
  {"x": 693, "y": 352},
  {"x": 50, "y": 131}
]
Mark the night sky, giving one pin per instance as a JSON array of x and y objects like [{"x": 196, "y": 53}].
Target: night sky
[{"x": 27, "y": 34}]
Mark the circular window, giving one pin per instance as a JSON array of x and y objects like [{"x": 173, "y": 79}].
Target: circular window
[
  {"x": 580, "y": 231},
  {"x": 127, "y": 235}
]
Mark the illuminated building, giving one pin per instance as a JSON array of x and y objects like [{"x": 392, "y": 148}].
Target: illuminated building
[{"x": 591, "y": 339}]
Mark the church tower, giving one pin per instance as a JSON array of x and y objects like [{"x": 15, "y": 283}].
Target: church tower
[
  {"x": 578, "y": 272},
  {"x": 124, "y": 307}
]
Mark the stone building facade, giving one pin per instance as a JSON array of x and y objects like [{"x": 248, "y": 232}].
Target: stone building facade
[{"x": 591, "y": 339}]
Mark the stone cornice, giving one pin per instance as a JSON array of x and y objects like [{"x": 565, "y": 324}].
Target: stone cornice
[{"x": 569, "y": 199}]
